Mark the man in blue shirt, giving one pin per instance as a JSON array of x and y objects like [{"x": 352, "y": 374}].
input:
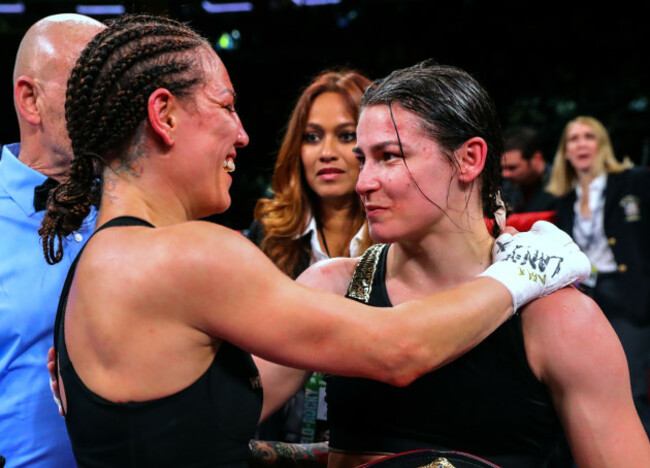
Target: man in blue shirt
[{"x": 32, "y": 433}]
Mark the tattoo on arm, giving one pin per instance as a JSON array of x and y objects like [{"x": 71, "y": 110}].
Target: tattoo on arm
[{"x": 285, "y": 455}]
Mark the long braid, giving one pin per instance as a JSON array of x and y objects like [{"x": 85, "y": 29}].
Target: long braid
[{"x": 106, "y": 102}]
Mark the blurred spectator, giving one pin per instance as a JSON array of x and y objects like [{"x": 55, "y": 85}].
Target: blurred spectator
[{"x": 525, "y": 173}]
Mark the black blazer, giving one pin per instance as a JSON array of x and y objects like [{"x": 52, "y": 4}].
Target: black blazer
[{"x": 627, "y": 227}]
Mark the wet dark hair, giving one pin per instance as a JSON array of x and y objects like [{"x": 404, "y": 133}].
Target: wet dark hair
[
  {"x": 106, "y": 103},
  {"x": 453, "y": 107}
]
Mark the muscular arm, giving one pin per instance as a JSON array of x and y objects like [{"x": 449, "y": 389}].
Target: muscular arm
[
  {"x": 228, "y": 289},
  {"x": 237, "y": 294},
  {"x": 574, "y": 351}
]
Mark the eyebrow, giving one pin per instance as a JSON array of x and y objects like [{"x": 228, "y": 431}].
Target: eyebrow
[
  {"x": 377, "y": 146},
  {"x": 229, "y": 91},
  {"x": 338, "y": 127}
]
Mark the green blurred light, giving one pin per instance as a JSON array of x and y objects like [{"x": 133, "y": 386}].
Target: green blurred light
[{"x": 225, "y": 41}]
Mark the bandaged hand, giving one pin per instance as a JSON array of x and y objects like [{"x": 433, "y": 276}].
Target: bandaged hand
[{"x": 535, "y": 263}]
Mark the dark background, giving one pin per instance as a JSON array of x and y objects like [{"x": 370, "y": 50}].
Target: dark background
[{"x": 543, "y": 62}]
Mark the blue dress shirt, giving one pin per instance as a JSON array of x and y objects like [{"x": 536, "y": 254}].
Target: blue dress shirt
[{"x": 32, "y": 433}]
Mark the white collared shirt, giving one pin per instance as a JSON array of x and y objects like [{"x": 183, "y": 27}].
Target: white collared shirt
[
  {"x": 317, "y": 253},
  {"x": 589, "y": 231}
]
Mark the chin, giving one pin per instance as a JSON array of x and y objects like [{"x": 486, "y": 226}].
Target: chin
[
  {"x": 381, "y": 236},
  {"x": 214, "y": 209},
  {"x": 221, "y": 208}
]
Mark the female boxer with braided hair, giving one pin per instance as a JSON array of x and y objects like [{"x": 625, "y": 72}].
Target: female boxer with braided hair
[{"x": 158, "y": 308}]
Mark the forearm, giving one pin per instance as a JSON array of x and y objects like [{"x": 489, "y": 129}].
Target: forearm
[
  {"x": 396, "y": 345},
  {"x": 282, "y": 454},
  {"x": 280, "y": 383}
]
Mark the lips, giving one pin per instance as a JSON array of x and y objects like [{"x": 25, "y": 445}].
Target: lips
[
  {"x": 373, "y": 209},
  {"x": 329, "y": 170}
]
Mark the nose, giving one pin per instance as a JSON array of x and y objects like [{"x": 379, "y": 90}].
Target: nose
[
  {"x": 505, "y": 173},
  {"x": 367, "y": 181},
  {"x": 242, "y": 137},
  {"x": 330, "y": 150}
]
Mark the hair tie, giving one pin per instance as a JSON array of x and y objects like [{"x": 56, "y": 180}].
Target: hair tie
[{"x": 500, "y": 213}]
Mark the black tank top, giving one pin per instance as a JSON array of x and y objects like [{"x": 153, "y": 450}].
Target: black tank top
[
  {"x": 207, "y": 424},
  {"x": 487, "y": 402}
]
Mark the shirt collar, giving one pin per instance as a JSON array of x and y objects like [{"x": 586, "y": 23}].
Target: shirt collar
[
  {"x": 18, "y": 179},
  {"x": 316, "y": 249},
  {"x": 596, "y": 186}
]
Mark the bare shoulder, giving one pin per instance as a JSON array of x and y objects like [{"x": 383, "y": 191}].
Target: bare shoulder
[
  {"x": 566, "y": 334},
  {"x": 566, "y": 307},
  {"x": 204, "y": 250},
  {"x": 171, "y": 260},
  {"x": 197, "y": 244},
  {"x": 332, "y": 275}
]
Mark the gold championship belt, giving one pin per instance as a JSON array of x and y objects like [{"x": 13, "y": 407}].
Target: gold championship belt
[{"x": 430, "y": 458}]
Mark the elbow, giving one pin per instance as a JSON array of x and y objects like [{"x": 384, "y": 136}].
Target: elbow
[
  {"x": 402, "y": 379},
  {"x": 409, "y": 362}
]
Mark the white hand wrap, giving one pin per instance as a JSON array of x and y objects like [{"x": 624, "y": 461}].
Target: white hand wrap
[{"x": 535, "y": 263}]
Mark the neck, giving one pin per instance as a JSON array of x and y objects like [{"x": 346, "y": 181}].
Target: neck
[
  {"x": 585, "y": 177},
  {"x": 44, "y": 160},
  {"x": 338, "y": 223},
  {"x": 127, "y": 193},
  {"x": 441, "y": 260}
]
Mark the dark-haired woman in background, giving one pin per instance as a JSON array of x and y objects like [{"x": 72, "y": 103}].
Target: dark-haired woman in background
[
  {"x": 159, "y": 312},
  {"x": 314, "y": 212}
]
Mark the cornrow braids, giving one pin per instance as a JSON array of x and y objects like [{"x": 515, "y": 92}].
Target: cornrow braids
[{"x": 106, "y": 103}]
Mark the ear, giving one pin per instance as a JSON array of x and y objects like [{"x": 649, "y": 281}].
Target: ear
[
  {"x": 537, "y": 162},
  {"x": 162, "y": 108},
  {"x": 471, "y": 159},
  {"x": 26, "y": 94}
]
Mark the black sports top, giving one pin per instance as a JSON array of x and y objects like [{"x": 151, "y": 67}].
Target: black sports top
[
  {"x": 207, "y": 424},
  {"x": 487, "y": 402}
]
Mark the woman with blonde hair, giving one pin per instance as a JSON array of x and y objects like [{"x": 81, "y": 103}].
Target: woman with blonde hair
[
  {"x": 565, "y": 174},
  {"x": 605, "y": 206}
]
